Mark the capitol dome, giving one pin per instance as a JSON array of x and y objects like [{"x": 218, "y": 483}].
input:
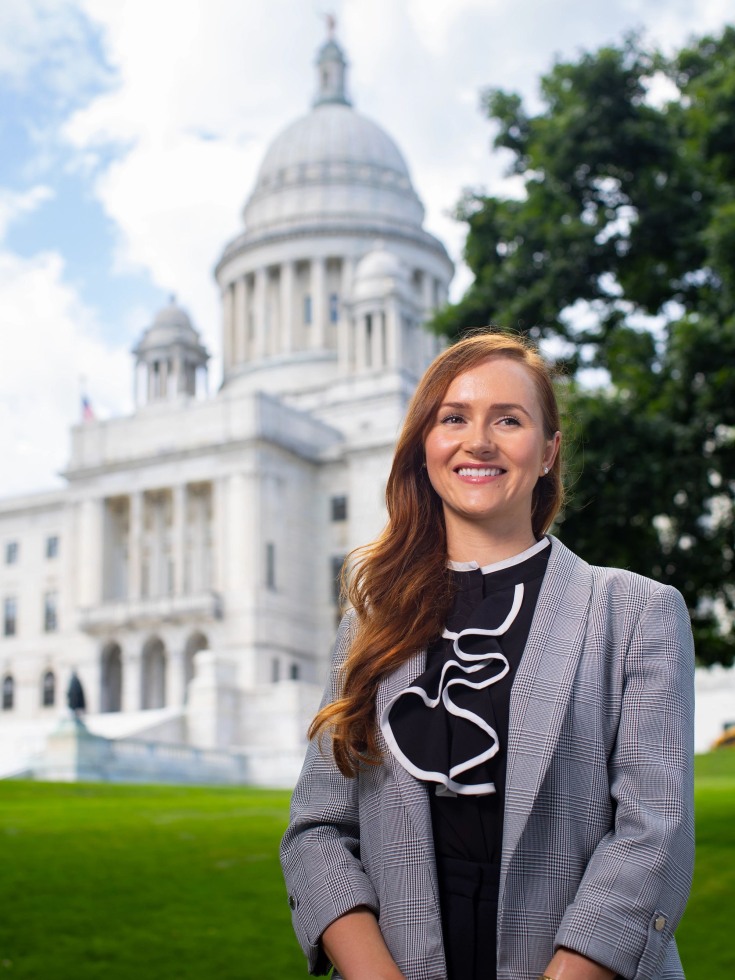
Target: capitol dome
[
  {"x": 333, "y": 274},
  {"x": 334, "y": 165}
]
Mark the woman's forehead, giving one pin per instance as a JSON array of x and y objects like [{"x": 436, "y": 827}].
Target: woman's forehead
[{"x": 494, "y": 376}]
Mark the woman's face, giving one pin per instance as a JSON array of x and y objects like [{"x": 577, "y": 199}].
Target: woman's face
[{"x": 486, "y": 449}]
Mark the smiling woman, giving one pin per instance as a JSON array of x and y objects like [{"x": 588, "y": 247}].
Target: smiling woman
[
  {"x": 485, "y": 453},
  {"x": 507, "y": 785}
]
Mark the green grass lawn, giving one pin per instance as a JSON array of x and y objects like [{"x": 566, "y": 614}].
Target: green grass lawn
[
  {"x": 103, "y": 882},
  {"x": 705, "y": 936}
]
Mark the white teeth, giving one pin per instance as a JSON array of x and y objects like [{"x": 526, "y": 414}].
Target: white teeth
[{"x": 479, "y": 471}]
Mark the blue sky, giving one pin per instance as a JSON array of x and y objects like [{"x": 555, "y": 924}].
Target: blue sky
[{"x": 131, "y": 132}]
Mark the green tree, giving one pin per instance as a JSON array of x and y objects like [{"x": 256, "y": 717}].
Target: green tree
[{"x": 620, "y": 254}]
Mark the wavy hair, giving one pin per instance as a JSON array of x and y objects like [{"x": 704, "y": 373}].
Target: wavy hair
[{"x": 400, "y": 586}]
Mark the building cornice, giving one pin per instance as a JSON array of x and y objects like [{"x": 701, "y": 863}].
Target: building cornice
[{"x": 349, "y": 225}]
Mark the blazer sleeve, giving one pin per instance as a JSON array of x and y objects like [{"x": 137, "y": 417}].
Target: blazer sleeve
[
  {"x": 320, "y": 852},
  {"x": 637, "y": 881}
]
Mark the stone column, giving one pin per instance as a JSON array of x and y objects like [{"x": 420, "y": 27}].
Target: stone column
[
  {"x": 219, "y": 535},
  {"x": 240, "y": 346},
  {"x": 228, "y": 347},
  {"x": 361, "y": 342},
  {"x": 240, "y": 548},
  {"x": 318, "y": 302},
  {"x": 135, "y": 544},
  {"x": 286, "y": 311},
  {"x": 345, "y": 355},
  {"x": 90, "y": 555},
  {"x": 175, "y": 686},
  {"x": 259, "y": 302},
  {"x": 394, "y": 332},
  {"x": 377, "y": 358},
  {"x": 132, "y": 678},
  {"x": 427, "y": 293},
  {"x": 178, "y": 549}
]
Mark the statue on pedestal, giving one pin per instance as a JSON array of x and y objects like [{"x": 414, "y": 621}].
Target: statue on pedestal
[{"x": 75, "y": 695}]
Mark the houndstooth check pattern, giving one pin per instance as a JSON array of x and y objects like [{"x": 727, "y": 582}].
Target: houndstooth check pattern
[{"x": 598, "y": 834}]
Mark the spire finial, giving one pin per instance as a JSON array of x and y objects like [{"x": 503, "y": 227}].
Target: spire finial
[{"x": 331, "y": 69}]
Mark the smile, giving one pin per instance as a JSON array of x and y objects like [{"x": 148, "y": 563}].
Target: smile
[{"x": 480, "y": 471}]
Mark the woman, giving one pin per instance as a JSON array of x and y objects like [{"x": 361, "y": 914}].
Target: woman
[{"x": 499, "y": 781}]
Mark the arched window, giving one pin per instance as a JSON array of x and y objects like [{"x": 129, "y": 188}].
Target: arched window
[
  {"x": 153, "y": 694},
  {"x": 8, "y": 692},
  {"x": 111, "y": 677},
  {"x": 48, "y": 689}
]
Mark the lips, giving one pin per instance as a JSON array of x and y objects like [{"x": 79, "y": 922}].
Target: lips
[{"x": 479, "y": 471}]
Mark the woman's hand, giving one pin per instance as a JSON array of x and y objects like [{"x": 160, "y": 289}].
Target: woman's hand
[
  {"x": 568, "y": 965},
  {"x": 355, "y": 945}
]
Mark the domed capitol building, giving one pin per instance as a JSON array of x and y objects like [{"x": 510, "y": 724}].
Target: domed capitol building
[
  {"x": 188, "y": 571},
  {"x": 187, "y": 574}
]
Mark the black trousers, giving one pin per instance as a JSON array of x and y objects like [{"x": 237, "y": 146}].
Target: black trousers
[{"x": 468, "y": 892}]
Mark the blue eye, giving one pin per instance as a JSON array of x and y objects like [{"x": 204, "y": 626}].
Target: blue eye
[{"x": 509, "y": 420}]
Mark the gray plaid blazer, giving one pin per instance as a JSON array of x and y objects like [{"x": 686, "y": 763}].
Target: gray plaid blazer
[{"x": 598, "y": 840}]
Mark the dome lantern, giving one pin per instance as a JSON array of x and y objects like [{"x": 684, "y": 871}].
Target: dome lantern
[{"x": 331, "y": 69}]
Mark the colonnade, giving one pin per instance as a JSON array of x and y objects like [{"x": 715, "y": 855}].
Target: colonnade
[
  {"x": 158, "y": 542},
  {"x": 301, "y": 305}
]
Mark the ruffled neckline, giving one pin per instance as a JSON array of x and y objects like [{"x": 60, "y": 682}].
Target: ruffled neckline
[{"x": 442, "y": 727}]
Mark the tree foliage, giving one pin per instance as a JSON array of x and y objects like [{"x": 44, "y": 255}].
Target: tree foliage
[{"x": 620, "y": 254}]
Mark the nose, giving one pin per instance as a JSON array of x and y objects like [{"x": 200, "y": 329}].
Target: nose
[{"x": 479, "y": 441}]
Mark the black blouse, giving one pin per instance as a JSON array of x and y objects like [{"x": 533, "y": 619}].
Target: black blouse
[{"x": 450, "y": 727}]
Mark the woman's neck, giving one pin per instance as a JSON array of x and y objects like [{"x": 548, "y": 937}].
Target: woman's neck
[{"x": 475, "y": 544}]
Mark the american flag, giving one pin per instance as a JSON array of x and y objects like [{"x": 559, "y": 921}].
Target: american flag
[{"x": 87, "y": 410}]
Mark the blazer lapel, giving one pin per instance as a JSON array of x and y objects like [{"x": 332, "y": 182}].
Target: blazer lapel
[
  {"x": 543, "y": 685},
  {"x": 414, "y": 794}
]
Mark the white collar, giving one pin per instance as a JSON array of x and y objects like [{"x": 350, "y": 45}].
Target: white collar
[{"x": 470, "y": 566}]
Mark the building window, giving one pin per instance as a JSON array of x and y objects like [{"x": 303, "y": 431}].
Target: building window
[
  {"x": 270, "y": 565},
  {"x": 52, "y": 546},
  {"x": 10, "y": 616},
  {"x": 50, "y": 616},
  {"x": 48, "y": 689},
  {"x": 11, "y": 552},
  {"x": 275, "y": 671},
  {"x": 8, "y": 692},
  {"x": 333, "y": 308},
  {"x": 339, "y": 508},
  {"x": 294, "y": 672},
  {"x": 336, "y": 569},
  {"x": 307, "y": 309}
]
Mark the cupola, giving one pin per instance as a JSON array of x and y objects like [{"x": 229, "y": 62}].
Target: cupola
[{"x": 170, "y": 359}]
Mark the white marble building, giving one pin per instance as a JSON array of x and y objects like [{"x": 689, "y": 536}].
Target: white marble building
[{"x": 187, "y": 569}]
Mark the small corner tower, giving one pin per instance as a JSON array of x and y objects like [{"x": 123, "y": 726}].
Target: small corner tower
[{"x": 170, "y": 359}]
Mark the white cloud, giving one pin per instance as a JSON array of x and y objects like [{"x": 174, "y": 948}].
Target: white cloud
[
  {"x": 49, "y": 342},
  {"x": 14, "y": 204},
  {"x": 200, "y": 88},
  {"x": 46, "y": 41}
]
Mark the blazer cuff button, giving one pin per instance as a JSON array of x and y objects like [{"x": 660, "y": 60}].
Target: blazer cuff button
[
  {"x": 659, "y": 922},
  {"x": 292, "y": 902}
]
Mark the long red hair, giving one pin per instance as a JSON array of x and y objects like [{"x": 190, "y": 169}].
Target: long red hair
[{"x": 399, "y": 586}]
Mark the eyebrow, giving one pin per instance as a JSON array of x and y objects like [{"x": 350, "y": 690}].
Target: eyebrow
[{"x": 497, "y": 406}]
